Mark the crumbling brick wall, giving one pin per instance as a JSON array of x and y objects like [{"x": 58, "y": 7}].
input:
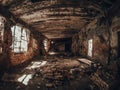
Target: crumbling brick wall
[
  {"x": 115, "y": 28},
  {"x": 35, "y": 49},
  {"x": 18, "y": 58},
  {"x": 100, "y": 44},
  {"x": 105, "y": 45},
  {"x": 40, "y": 39}
]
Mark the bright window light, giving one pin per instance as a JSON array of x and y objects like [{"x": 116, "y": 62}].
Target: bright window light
[
  {"x": 90, "y": 47},
  {"x": 20, "y": 38}
]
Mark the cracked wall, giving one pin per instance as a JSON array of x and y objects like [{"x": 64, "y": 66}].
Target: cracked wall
[
  {"x": 8, "y": 58},
  {"x": 105, "y": 40},
  {"x": 99, "y": 35},
  {"x": 18, "y": 58},
  {"x": 35, "y": 49},
  {"x": 115, "y": 28}
]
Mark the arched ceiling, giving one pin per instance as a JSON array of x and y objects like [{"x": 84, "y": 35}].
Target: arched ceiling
[{"x": 57, "y": 18}]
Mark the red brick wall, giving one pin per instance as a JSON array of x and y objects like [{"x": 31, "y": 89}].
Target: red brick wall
[
  {"x": 18, "y": 58},
  {"x": 98, "y": 34}
]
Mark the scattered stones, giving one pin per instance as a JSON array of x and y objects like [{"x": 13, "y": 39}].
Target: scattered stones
[
  {"x": 49, "y": 85},
  {"x": 60, "y": 72}
]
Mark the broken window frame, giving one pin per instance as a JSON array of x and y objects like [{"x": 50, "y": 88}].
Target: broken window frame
[{"x": 19, "y": 39}]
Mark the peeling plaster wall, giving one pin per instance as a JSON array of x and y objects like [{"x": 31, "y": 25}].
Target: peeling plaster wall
[
  {"x": 100, "y": 36},
  {"x": 9, "y": 58},
  {"x": 35, "y": 49},
  {"x": 100, "y": 44},
  {"x": 115, "y": 28}
]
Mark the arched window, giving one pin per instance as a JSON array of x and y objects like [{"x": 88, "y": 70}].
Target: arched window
[{"x": 20, "y": 39}]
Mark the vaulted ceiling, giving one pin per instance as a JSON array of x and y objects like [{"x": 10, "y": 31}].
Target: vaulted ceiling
[{"x": 57, "y": 18}]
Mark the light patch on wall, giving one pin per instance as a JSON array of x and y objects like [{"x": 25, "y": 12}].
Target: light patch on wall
[
  {"x": 90, "y": 47},
  {"x": 0, "y": 49},
  {"x": 45, "y": 42}
]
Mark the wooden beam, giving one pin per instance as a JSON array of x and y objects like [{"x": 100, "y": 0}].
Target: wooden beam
[{"x": 49, "y": 8}]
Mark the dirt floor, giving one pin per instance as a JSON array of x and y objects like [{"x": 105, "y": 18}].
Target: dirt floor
[{"x": 61, "y": 73}]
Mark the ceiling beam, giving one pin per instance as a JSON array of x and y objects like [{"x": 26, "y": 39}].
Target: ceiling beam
[
  {"x": 58, "y": 36},
  {"x": 49, "y": 8},
  {"x": 11, "y": 18}
]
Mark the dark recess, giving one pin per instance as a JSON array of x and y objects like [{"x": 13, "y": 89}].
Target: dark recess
[{"x": 118, "y": 44}]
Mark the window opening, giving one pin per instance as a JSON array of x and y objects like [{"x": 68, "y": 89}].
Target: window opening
[
  {"x": 20, "y": 38},
  {"x": 90, "y": 47}
]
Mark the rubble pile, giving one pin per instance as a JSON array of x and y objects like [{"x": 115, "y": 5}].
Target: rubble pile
[
  {"x": 57, "y": 77},
  {"x": 104, "y": 80},
  {"x": 61, "y": 72}
]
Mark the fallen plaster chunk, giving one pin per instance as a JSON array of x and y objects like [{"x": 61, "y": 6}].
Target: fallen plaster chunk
[
  {"x": 86, "y": 61},
  {"x": 52, "y": 53},
  {"x": 25, "y": 79},
  {"x": 43, "y": 63},
  {"x": 36, "y": 65},
  {"x": 21, "y": 78}
]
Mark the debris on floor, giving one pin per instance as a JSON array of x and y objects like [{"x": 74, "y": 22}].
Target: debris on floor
[
  {"x": 60, "y": 73},
  {"x": 104, "y": 80},
  {"x": 36, "y": 64}
]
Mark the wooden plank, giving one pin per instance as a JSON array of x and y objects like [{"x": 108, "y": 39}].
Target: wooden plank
[{"x": 86, "y": 61}]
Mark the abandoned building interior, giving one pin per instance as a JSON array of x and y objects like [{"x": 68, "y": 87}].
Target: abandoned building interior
[{"x": 59, "y": 44}]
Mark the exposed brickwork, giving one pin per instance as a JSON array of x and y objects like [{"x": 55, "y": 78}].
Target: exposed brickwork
[
  {"x": 100, "y": 44},
  {"x": 18, "y": 58}
]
